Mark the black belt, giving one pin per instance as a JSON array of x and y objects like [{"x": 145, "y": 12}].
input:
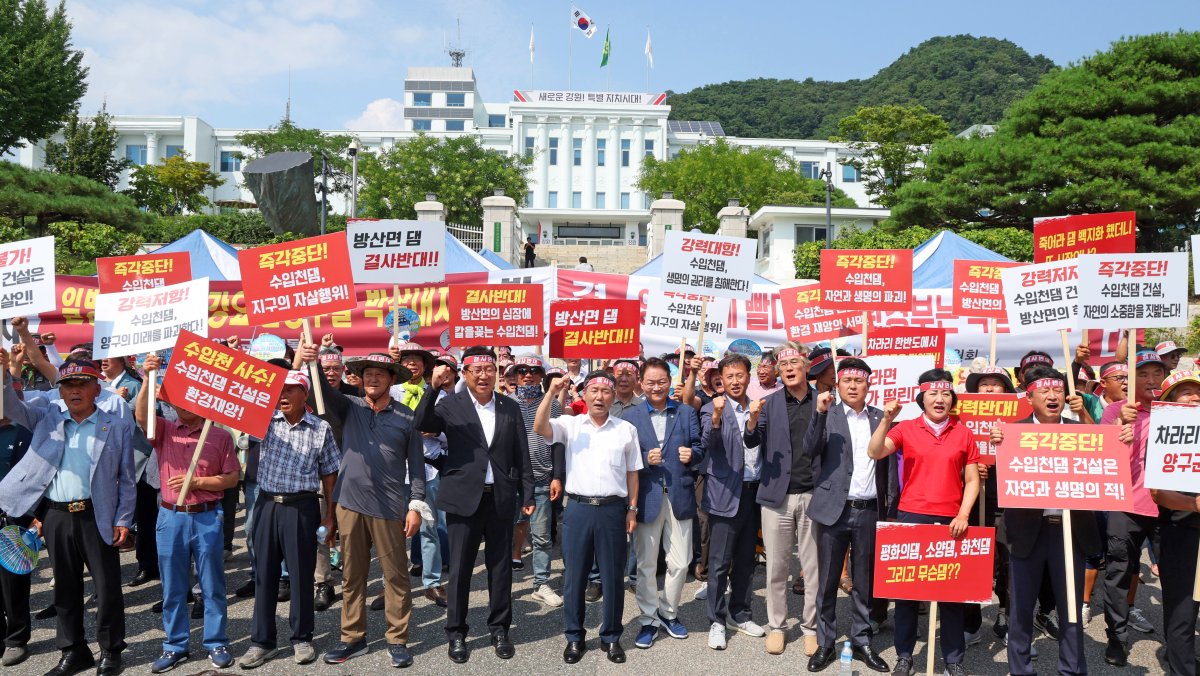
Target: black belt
[
  {"x": 74, "y": 506},
  {"x": 749, "y": 484},
  {"x": 589, "y": 500},
  {"x": 487, "y": 488},
  {"x": 284, "y": 498},
  {"x": 863, "y": 504},
  {"x": 190, "y": 509},
  {"x": 1052, "y": 519}
]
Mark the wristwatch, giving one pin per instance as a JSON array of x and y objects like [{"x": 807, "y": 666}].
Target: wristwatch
[{"x": 631, "y": 508}]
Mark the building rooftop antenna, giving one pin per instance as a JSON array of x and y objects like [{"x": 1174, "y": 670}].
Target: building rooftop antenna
[{"x": 456, "y": 51}]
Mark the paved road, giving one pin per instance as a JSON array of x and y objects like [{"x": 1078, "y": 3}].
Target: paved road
[{"x": 537, "y": 631}]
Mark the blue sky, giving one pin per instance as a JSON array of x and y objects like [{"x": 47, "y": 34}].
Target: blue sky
[{"x": 228, "y": 61}]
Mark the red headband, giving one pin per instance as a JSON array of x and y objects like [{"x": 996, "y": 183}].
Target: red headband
[
  {"x": 788, "y": 354},
  {"x": 601, "y": 381},
  {"x": 937, "y": 385},
  {"x": 855, "y": 373},
  {"x": 1036, "y": 359},
  {"x": 624, "y": 366},
  {"x": 479, "y": 359},
  {"x": 1053, "y": 383},
  {"x": 1114, "y": 368}
]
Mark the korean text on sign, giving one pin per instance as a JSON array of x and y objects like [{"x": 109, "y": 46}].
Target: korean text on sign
[
  {"x": 979, "y": 412},
  {"x": 594, "y": 329},
  {"x": 1043, "y": 297},
  {"x": 894, "y": 378},
  {"x": 977, "y": 289},
  {"x": 1133, "y": 290},
  {"x": 709, "y": 264},
  {"x": 221, "y": 384},
  {"x": 147, "y": 320},
  {"x": 496, "y": 314},
  {"x": 866, "y": 280},
  {"x": 1056, "y": 239},
  {"x": 397, "y": 252},
  {"x": 294, "y": 280},
  {"x": 1173, "y": 447},
  {"x": 904, "y": 340},
  {"x": 130, "y": 273},
  {"x": 921, "y": 562},
  {"x": 1063, "y": 467},
  {"x": 27, "y": 277},
  {"x": 807, "y": 322},
  {"x": 678, "y": 314}
]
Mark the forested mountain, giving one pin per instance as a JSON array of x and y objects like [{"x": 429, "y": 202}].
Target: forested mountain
[{"x": 965, "y": 79}]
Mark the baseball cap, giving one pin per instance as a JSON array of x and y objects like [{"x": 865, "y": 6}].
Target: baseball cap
[
  {"x": 1167, "y": 347},
  {"x": 1176, "y": 379},
  {"x": 1148, "y": 358},
  {"x": 78, "y": 369},
  {"x": 297, "y": 378}
]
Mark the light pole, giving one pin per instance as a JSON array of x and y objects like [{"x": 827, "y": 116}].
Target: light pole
[
  {"x": 324, "y": 188},
  {"x": 355, "y": 146},
  {"x": 827, "y": 174}
]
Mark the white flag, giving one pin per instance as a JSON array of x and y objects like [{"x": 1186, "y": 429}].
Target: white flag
[
  {"x": 649, "y": 50},
  {"x": 582, "y": 21},
  {"x": 531, "y": 44}
]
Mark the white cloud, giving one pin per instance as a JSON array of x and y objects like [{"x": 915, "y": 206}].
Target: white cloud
[{"x": 379, "y": 115}]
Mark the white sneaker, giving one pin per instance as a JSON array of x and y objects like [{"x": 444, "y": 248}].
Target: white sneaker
[
  {"x": 973, "y": 639},
  {"x": 547, "y": 596},
  {"x": 1138, "y": 621},
  {"x": 304, "y": 653},
  {"x": 748, "y": 628},
  {"x": 1085, "y": 615},
  {"x": 716, "y": 636},
  {"x": 701, "y": 593}
]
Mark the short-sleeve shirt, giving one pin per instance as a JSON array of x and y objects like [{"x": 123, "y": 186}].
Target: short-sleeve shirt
[
  {"x": 932, "y": 479},
  {"x": 597, "y": 457},
  {"x": 176, "y": 442},
  {"x": 293, "y": 458},
  {"x": 1143, "y": 503}
]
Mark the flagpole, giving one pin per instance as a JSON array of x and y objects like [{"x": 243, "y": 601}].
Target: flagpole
[
  {"x": 531, "y": 49},
  {"x": 647, "y": 59},
  {"x": 570, "y": 57},
  {"x": 608, "y": 76}
]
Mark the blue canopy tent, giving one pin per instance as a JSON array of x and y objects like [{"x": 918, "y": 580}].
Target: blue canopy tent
[
  {"x": 495, "y": 259},
  {"x": 933, "y": 261}
]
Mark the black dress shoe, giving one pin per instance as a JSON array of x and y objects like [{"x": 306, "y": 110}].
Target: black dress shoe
[
  {"x": 616, "y": 654},
  {"x": 593, "y": 593},
  {"x": 867, "y": 655},
  {"x": 504, "y": 647},
  {"x": 323, "y": 597},
  {"x": 821, "y": 659},
  {"x": 245, "y": 591},
  {"x": 73, "y": 663},
  {"x": 1114, "y": 653},
  {"x": 574, "y": 651},
  {"x": 109, "y": 664},
  {"x": 458, "y": 651},
  {"x": 157, "y": 607},
  {"x": 45, "y": 613},
  {"x": 285, "y": 591},
  {"x": 198, "y": 609},
  {"x": 143, "y": 576}
]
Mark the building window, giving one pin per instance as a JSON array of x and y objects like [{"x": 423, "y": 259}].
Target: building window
[
  {"x": 422, "y": 99},
  {"x": 600, "y": 200},
  {"x": 810, "y": 233},
  {"x": 553, "y": 152},
  {"x": 136, "y": 154},
  {"x": 455, "y": 125},
  {"x": 649, "y": 148},
  {"x": 646, "y": 200},
  {"x": 172, "y": 151},
  {"x": 576, "y": 200},
  {"x": 810, "y": 169},
  {"x": 528, "y": 146},
  {"x": 624, "y": 200},
  {"x": 601, "y": 146},
  {"x": 764, "y": 243},
  {"x": 552, "y": 200},
  {"x": 495, "y": 121},
  {"x": 849, "y": 173},
  {"x": 456, "y": 100},
  {"x": 230, "y": 161},
  {"x": 529, "y": 199},
  {"x": 577, "y": 152},
  {"x": 422, "y": 125},
  {"x": 624, "y": 152}
]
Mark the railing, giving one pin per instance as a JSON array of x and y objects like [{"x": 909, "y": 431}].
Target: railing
[
  {"x": 576, "y": 241},
  {"x": 470, "y": 235}
]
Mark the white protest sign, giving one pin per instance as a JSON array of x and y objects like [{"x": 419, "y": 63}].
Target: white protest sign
[
  {"x": 391, "y": 251},
  {"x": 1173, "y": 447},
  {"x": 678, "y": 314},
  {"x": 709, "y": 264},
  {"x": 1133, "y": 291},
  {"x": 27, "y": 278},
  {"x": 894, "y": 378},
  {"x": 146, "y": 320},
  {"x": 1042, "y": 297}
]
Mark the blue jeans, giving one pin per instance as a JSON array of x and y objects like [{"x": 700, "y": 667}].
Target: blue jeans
[
  {"x": 431, "y": 542},
  {"x": 180, "y": 537},
  {"x": 539, "y": 533}
]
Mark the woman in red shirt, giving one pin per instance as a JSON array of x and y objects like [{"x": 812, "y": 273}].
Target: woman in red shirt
[{"x": 939, "y": 485}]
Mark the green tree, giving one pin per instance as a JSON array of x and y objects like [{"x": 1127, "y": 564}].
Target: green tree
[
  {"x": 1013, "y": 243},
  {"x": 286, "y": 136},
  {"x": 88, "y": 149},
  {"x": 41, "y": 77},
  {"x": 78, "y": 245},
  {"x": 1120, "y": 131},
  {"x": 36, "y": 199},
  {"x": 173, "y": 187},
  {"x": 892, "y": 141},
  {"x": 460, "y": 171}
]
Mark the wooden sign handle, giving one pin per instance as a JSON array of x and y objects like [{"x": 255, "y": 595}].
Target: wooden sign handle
[
  {"x": 703, "y": 321},
  {"x": 314, "y": 372},
  {"x": 1196, "y": 587},
  {"x": 187, "y": 478},
  {"x": 151, "y": 400},
  {"x": 396, "y": 313},
  {"x": 992, "y": 340},
  {"x": 932, "y": 642},
  {"x": 1069, "y": 558},
  {"x": 1066, "y": 345}
]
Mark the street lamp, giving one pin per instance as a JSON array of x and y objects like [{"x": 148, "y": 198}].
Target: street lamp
[
  {"x": 827, "y": 175},
  {"x": 324, "y": 188},
  {"x": 355, "y": 146}
]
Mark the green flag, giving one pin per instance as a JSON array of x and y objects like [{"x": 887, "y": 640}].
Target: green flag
[{"x": 604, "y": 54}]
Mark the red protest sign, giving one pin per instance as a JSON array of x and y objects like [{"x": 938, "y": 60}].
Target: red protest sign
[
  {"x": 867, "y": 280},
  {"x": 595, "y": 329},
  {"x": 977, "y": 289},
  {"x": 905, "y": 340},
  {"x": 1056, "y": 239},
  {"x": 806, "y": 322},
  {"x": 495, "y": 314},
  {"x": 921, "y": 562},
  {"x": 132, "y": 273},
  {"x": 295, "y": 280},
  {"x": 979, "y": 412},
  {"x": 218, "y": 383},
  {"x": 1063, "y": 467}
]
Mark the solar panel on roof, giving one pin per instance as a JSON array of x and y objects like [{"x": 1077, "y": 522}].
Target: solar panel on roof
[{"x": 695, "y": 127}]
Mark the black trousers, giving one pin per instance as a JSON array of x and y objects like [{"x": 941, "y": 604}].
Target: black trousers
[
  {"x": 464, "y": 533},
  {"x": 594, "y": 533},
  {"x": 950, "y": 615},
  {"x": 731, "y": 546},
  {"x": 145, "y": 515},
  {"x": 14, "y": 608},
  {"x": 284, "y": 532},
  {"x": 73, "y": 542},
  {"x": 1177, "y": 567},
  {"x": 1126, "y": 535},
  {"x": 855, "y": 529},
  {"x": 1045, "y": 564},
  {"x": 972, "y": 612}
]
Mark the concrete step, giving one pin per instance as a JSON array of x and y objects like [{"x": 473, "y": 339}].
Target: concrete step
[{"x": 620, "y": 260}]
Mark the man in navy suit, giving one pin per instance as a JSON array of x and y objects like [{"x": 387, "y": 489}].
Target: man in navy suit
[
  {"x": 669, "y": 437},
  {"x": 77, "y": 480}
]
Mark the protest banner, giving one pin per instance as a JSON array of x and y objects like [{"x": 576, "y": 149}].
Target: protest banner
[
  {"x": 148, "y": 271},
  {"x": 677, "y": 314},
  {"x": 1041, "y": 297},
  {"x": 895, "y": 379},
  {"x": 297, "y": 280},
  {"x": 905, "y": 340},
  {"x": 713, "y": 265},
  {"x": 1133, "y": 290},
  {"x": 807, "y": 322},
  {"x": 1063, "y": 467},
  {"x": 594, "y": 329},
  {"x": 386, "y": 250},
  {"x": 979, "y": 412},
  {"x": 1173, "y": 447},
  {"x": 27, "y": 278},
  {"x": 1066, "y": 237},
  {"x": 497, "y": 314},
  {"x": 978, "y": 292},
  {"x": 866, "y": 280},
  {"x": 149, "y": 319}
]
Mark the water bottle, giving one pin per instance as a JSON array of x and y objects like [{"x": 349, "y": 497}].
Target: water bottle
[
  {"x": 323, "y": 532},
  {"x": 846, "y": 660}
]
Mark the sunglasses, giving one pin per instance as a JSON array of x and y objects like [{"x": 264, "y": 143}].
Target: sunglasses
[{"x": 526, "y": 370}]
